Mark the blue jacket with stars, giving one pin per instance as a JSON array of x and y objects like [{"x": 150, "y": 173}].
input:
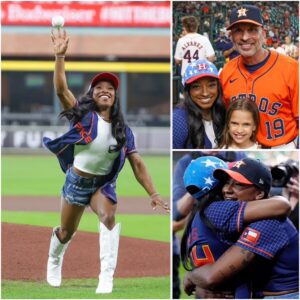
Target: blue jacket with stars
[{"x": 82, "y": 133}]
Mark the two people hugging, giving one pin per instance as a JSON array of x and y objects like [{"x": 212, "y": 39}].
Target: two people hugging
[{"x": 238, "y": 242}]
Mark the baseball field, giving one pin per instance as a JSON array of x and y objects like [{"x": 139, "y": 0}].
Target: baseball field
[{"x": 30, "y": 209}]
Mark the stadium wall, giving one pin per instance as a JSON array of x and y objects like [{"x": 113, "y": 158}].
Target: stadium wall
[{"x": 28, "y": 139}]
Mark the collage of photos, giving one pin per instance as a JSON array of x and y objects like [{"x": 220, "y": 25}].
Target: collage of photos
[
  {"x": 150, "y": 149},
  {"x": 235, "y": 135}
]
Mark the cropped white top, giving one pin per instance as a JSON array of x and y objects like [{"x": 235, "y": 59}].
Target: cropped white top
[
  {"x": 209, "y": 130},
  {"x": 94, "y": 157}
]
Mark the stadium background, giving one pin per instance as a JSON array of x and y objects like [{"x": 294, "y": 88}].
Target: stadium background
[
  {"x": 131, "y": 39},
  {"x": 280, "y": 18}
]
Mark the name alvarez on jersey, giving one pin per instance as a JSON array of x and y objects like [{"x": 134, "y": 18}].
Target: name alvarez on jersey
[{"x": 191, "y": 43}]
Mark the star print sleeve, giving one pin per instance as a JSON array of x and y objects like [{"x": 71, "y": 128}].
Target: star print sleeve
[{"x": 226, "y": 216}]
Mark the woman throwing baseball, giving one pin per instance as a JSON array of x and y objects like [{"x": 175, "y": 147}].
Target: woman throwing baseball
[{"x": 92, "y": 153}]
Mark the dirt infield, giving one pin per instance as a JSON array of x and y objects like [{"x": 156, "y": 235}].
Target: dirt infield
[
  {"x": 25, "y": 248},
  {"x": 126, "y": 205}
]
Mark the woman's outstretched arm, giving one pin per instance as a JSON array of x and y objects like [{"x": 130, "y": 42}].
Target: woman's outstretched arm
[
  {"x": 143, "y": 177},
  {"x": 60, "y": 42}
]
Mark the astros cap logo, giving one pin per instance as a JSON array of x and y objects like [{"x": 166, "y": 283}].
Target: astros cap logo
[
  {"x": 202, "y": 66},
  {"x": 198, "y": 69},
  {"x": 245, "y": 14},
  {"x": 242, "y": 12},
  {"x": 238, "y": 164}
]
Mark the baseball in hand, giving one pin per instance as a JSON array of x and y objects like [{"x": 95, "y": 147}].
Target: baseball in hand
[{"x": 58, "y": 21}]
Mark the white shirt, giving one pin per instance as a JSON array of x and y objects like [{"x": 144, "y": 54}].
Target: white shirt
[
  {"x": 290, "y": 50},
  {"x": 191, "y": 47},
  {"x": 209, "y": 130},
  {"x": 94, "y": 157}
]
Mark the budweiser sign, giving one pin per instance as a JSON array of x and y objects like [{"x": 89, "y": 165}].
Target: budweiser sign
[{"x": 102, "y": 14}]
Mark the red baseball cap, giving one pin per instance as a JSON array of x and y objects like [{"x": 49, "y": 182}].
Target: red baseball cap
[{"x": 105, "y": 76}]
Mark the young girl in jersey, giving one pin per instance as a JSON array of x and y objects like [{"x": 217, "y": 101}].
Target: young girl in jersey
[
  {"x": 198, "y": 122},
  {"x": 241, "y": 125},
  {"x": 92, "y": 153}
]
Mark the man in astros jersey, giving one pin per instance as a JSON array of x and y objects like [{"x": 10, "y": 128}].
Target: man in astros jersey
[{"x": 266, "y": 77}]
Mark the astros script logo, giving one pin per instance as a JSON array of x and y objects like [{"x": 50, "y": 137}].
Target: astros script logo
[{"x": 242, "y": 12}]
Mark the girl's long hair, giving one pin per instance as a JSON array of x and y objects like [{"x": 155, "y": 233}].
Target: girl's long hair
[
  {"x": 213, "y": 195},
  {"x": 195, "y": 119},
  {"x": 86, "y": 103},
  {"x": 243, "y": 105}
]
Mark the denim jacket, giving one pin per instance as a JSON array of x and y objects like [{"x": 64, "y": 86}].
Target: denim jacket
[{"x": 82, "y": 133}]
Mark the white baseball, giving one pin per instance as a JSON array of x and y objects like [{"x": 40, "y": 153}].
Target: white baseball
[{"x": 58, "y": 21}]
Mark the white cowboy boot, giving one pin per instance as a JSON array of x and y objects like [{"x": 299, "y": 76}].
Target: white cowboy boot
[
  {"x": 109, "y": 245},
  {"x": 55, "y": 259}
]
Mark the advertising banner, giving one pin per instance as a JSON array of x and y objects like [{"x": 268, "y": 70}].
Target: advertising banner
[{"x": 90, "y": 14}]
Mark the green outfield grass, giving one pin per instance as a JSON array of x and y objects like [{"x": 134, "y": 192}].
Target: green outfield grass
[
  {"x": 41, "y": 175},
  {"x": 124, "y": 288},
  {"x": 150, "y": 227}
]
